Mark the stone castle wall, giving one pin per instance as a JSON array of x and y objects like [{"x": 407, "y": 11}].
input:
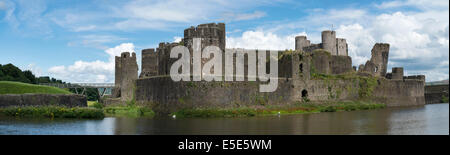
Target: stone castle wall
[
  {"x": 435, "y": 93},
  {"x": 70, "y": 100},
  {"x": 149, "y": 63},
  {"x": 340, "y": 64},
  {"x": 295, "y": 82},
  {"x": 168, "y": 96}
]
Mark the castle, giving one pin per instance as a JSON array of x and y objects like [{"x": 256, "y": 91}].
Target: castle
[{"x": 310, "y": 72}]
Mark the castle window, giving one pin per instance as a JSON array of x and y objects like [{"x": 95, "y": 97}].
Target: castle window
[
  {"x": 376, "y": 69},
  {"x": 301, "y": 67}
]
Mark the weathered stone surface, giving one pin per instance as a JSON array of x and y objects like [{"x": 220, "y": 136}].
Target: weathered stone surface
[
  {"x": 71, "y": 100},
  {"x": 397, "y": 73},
  {"x": 295, "y": 82},
  {"x": 341, "y": 64},
  {"x": 301, "y": 42},
  {"x": 126, "y": 74},
  {"x": 321, "y": 62},
  {"x": 341, "y": 47},
  {"x": 169, "y": 96},
  {"x": 380, "y": 55},
  {"x": 435, "y": 93},
  {"x": 400, "y": 93},
  {"x": 149, "y": 63}
]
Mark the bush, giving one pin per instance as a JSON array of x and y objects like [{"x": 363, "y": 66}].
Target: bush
[
  {"x": 53, "y": 112},
  {"x": 328, "y": 109},
  {"x": 95, "y": 104},
  {"x": 129, "y": 111}
]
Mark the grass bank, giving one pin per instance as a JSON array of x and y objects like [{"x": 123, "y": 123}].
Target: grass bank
[
  {"x": 53, "y": 112},
  {"x": 274, "y": 110},
  {"x": 123, "y": 111},
  {"x": 9, "y": 87}
]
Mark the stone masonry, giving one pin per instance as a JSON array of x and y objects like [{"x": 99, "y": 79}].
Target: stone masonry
[
  {"x": 126, "y": 75},
  {"x": 297, "y": 76}
]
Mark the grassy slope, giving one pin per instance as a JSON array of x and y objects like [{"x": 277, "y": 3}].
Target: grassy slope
[{"x": 8, "y": 87}]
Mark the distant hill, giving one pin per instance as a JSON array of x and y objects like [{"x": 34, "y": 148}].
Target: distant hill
[
  {"x": 10, "y": 87},
  {"x": 438, "y": 82}
]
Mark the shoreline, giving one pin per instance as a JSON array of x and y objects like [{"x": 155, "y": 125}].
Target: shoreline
[
  {"x": 97, "y": 111},
  {"x": 300, "y": 108}
]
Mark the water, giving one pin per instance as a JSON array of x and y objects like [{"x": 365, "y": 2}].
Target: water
[{"x": 429, "y": 119}]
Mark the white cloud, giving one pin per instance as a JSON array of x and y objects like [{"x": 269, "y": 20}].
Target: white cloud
[
  {"x": 230, "y": 16},
  {"x": 153, "y": 14},
  {"x": 262, "y": 40},
  {"x": 95, "y": 71},
  {"x": 177, "y": 39},
  {"x": 24, "y": 15},
  {"x": 419, "y": 38},
  {"x": 359, "y": 40},
  {"x": 95, "y": 41},
  {"x": 3, "y": 5},
  {"x": 421, "y": 4},
  {"x": 37, "y": 71}
]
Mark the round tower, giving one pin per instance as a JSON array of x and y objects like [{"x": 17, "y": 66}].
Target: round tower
[
  {"x": 329, "y": 41},
  {"x": 301, "y": 42}
]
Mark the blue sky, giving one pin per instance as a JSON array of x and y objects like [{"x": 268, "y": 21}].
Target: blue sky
[{"x": 76, "y": 40}]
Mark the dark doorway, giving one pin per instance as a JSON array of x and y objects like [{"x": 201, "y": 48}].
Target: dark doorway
[{"x": 304, "y": 93}]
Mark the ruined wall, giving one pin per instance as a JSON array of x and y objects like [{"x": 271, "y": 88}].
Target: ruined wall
[
  {"x": 149, "y": 63},
  {"x": 169, "y": 96},
  {"x": 211, "y": 34},
  {"x": 399, "y": 92},
  {"x": 67, "y": 100},
  {"x": 117, "y": 77},
  {"x": 415, "y": 77},
  {"x": 329, "y": 41},
  {"x": 435, "y": 93},
  {"x": 321, "y": 62},
  {"x": 129, "y": 73},
  {"x": 397, "y": 73},
  {"x": 380, "y": 55},
  {"x": 312, "y": 47},
  {"x": 164, "y": 60},
  {"x": 341, "y": 47},
  {"x": 341, "y": 64},
  {"x": 285, "y": 66}
]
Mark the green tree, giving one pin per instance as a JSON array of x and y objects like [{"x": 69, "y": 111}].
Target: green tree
[
  {"x": 1, "y": 72},
  {"x": 13, "y": 73},
  {"x": 30, "y": 76}
]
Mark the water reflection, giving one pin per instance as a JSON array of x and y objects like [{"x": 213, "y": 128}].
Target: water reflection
[{"x": 429, "y": 119}]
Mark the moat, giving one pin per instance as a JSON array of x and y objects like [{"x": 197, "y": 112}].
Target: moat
[{"x": 428, "y": 119}]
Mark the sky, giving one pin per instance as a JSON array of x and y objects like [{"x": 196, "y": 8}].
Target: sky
[{"x": 76, "y": 40}]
